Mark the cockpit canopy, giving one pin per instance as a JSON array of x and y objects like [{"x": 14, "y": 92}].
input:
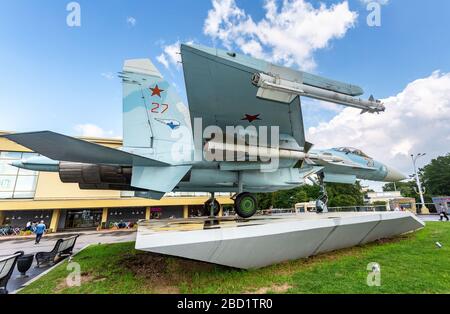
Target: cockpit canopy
[{"x": 350, "y": 150}]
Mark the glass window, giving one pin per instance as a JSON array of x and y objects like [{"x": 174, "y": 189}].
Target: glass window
[
  {"x": 350, "y": 150},
  {"x": 6, "y": 168},
  {"x": 29, "y": 155},
  {"x": 7, "y": 183},
  {"x": 26, "y": 183},
  {"x": 23, "y": 195},
  {"x": 14, "y": 182},
  {"x": 24, "y": 172},
  {"x": 10, "y": 155},
  {"x": 6, "y": 195},
  {"x": 126, "y": 194}
]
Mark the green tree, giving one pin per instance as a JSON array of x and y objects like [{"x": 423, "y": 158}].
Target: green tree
[
  {"x": 300, "y": 196},
  {"x": 345, "y": 194},
  {"x": 436, "y": 176},
  {"x": 343, "y": 200},
  {"x": 407, "y": 189},
  {"x": 265, "y": 200},
  {"x": 339, "y": 195},
  {"x": 284, "y": 199}
]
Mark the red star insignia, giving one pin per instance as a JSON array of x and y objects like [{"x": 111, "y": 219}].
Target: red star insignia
[
  {"x": 250, "y": 118},
  {"x": 156, "y": 91}
]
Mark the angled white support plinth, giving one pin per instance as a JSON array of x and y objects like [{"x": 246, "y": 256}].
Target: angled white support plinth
[{"x": 266, "y": 240}]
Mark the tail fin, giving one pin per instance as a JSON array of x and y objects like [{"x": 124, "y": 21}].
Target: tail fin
[{"x": 154, "y": 116}]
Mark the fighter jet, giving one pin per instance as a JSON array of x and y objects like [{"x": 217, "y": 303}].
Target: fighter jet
[{"x": 220, "y": 142}]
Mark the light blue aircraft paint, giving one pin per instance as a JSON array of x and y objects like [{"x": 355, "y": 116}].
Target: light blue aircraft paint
[{"x": 160, "y": 155}]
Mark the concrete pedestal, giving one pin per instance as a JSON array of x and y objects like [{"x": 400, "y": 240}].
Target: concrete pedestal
[{"x": 267, "y": 240}]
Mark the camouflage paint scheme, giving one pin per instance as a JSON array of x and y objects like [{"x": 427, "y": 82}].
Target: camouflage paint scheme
[{"x": 156, "y": 122}]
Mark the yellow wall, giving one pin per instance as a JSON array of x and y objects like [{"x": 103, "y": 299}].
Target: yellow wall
[
  {"x": 7, "y": 145},
  {"x": 104, "y": 203},
  {"x": 49, "y": 186},
  {"x": 113, "y": 143},
  {"x": 55, "y": 219},
  {"x": 105, "y": 215}
]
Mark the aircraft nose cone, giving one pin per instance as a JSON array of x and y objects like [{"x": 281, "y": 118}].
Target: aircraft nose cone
[{"x": 393, "y": 175}]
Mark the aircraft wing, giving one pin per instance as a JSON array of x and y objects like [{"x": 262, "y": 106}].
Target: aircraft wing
[
  {"x": 220, "y": 91},
  {"x": 64, "y": 148}
]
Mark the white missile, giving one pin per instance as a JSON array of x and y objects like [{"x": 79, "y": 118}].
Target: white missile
[
  {"x": 39, "y": 163},
  {"x": 278, "y": 89},
  {"x": 267, "y": 152}
]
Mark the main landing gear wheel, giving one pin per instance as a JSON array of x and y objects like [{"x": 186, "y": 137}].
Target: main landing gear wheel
[
  {"x": 207, "y": 207},
  {"x": 245, "y": 205}
]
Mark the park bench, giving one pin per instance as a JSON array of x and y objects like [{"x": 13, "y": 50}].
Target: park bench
[
  {"x": 63, "y": 248},
  {"x": 7, "y": 265},
  {"x": 8, "y": 230},
  {"x": 4, "y": 231}
]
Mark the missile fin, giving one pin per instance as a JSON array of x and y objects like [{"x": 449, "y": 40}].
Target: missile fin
[{"x": 308, "y": 147}]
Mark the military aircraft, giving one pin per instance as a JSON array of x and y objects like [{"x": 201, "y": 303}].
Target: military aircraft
[{"x": 214, "y": 144}]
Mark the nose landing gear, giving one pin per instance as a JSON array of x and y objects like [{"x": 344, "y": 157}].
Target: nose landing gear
[{"x": 322, "y": 201}]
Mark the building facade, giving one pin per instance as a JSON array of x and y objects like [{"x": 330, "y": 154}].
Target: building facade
[
  {"x": 393, "y": 200},
  {"x": 441, "y": 202},
  {"x": 33, "y": 196}
]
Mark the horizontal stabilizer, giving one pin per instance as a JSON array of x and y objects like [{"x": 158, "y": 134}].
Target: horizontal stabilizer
[
  {"x": 64, "y": 148},
  {"x": 158, "y": 179}
]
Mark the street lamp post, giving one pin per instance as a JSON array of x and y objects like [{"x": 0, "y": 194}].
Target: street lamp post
[{"x": 419, "y": 185}]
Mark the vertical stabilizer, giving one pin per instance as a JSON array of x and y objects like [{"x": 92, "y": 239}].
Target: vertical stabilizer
[{"x": 155, "y": 119}]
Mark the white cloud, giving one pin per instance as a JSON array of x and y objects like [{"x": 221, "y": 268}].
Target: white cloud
[
  {"x": 382, "y": 2},
  {"x": 170, "y": 56},
  {"x": 289, "y": 33},
  {"x": 108, "y": 75},
  {"x": 416, "y": 120},
  {"x": 92, "y": 130},
  {"x": 326, "y": 105},
  {"x": 163, "y": 60},
  {"x": 131, "y": 21}
]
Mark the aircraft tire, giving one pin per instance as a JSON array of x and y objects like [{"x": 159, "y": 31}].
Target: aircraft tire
[
  {"x": 207, "y": 208},
  {"x": 245, "y": 205}
]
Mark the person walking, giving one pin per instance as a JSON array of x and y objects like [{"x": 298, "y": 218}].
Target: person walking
[
  {"x": 33, "y": 226},
  {"x": 40, "y": 230},
  {"x": 443, "y": 213}
]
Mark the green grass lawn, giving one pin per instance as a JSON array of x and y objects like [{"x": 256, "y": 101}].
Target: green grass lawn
[{"x": 409, "y": 264}]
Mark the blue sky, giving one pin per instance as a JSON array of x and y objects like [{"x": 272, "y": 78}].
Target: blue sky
[{"x": 56, "y": 77}]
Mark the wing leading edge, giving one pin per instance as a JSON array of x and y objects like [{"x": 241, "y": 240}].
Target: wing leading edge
[{"x": 64, "y": 148}]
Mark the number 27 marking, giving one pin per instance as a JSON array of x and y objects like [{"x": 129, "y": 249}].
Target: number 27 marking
[{"x": 159, "y": 108}]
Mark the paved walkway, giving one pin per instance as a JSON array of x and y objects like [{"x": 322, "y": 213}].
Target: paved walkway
[
  {"x": 426, "y": 218},
  {"x": 10, "y": 246}
]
